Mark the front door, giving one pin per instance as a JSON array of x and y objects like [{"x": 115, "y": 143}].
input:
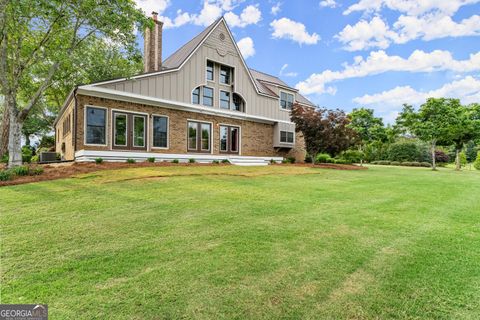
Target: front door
[
  {"x": 129, "y": 131},
  {"x": 229, "y": 139}
]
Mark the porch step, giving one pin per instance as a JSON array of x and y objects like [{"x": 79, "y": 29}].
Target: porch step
[{"x": 248, "y": 161}]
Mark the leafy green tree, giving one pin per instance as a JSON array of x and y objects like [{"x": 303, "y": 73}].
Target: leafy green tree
[
  {"x": 465, "y": 128},
  {"x": 432, "y": 123},
  {"x": 471, "y": 151},
  {"x": 476, "y": 164},
  {"x": 368, "y": 127},
  {"x": 39, "y": 38}
]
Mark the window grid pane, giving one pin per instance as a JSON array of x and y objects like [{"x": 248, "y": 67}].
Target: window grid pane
[
  {"x": 192, "y": 135},
  {"x": 210, "y": 70},
  {"x": 223, "y": 138},
  {"x": 160, "y": 134},
  {"x": 205, "y": 143},
  {"x": 224, "y": 75},
  {"x": 208, "y": 96},
  {"x": 224, "y": 100},
  {"x": 96, "y": 125},
  {"x": 138, "y": 131},
  {"x": 120, "y": 130}
]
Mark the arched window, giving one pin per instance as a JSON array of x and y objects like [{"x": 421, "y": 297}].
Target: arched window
[{"x": 238, "y": 103}]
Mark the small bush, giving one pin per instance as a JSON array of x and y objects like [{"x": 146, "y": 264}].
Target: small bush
[
  {"x": 131, "y": 161},
  {"x": 395, "y": 163},
  {"x": 225, "y": 161},
  {"x": 272, "y": 161},
  {"x": 354, "y": 156},
  {"x": 476, "y": 164},
  {"x": 323, "y": 157},
  {"x": 175, "y": 161},
  {"x": 215, "y": 162},
  {"x": 342, "y": 161},
  {"x": 291, "y": 159},
  {"x": 382, "y": 162},
  {"x": 407, "y": 164},
  {"x": 191, "y": 160},
  {"x": 27, "y": 153},
  {"x": 36, "y": 171},
  {"x": 441, "y": 157},
  {"x": 285, "y": 161},
  {"x": 4, "y": 158},
  {"x": 21, "y": 170},
  {"x": 35, "y": 158},
  {"x": 99, "y": 160},
  {"x": 425, "y": 164},
  {"x": 6, "y": 175},
  {"x": 151, "y": 159}
]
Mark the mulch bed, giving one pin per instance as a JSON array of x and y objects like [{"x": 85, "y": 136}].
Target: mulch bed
[{"x": 54, "y": 172}]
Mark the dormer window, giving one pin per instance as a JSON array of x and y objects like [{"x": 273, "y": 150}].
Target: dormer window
[
  {"x": 210, "y": 71},
  {"x": 203, "y": 93},
  {"x": 225, "y": 74},
  {"x": 286, "y": 101}
]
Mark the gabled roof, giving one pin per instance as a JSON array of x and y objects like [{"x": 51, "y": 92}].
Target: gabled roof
[{"x": 175, "y": 60}]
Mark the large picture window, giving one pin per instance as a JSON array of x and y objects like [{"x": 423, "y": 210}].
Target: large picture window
[
  {"x": 96, "y": 123},
  {"x": 286, "y": 101},
  {"x": 160, "y": 132},
  {"x": 224, "y": 99},
  {"x": 199, "y": 136}
]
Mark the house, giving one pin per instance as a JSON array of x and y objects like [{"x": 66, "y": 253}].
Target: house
[{"x": 202, "y": 102}]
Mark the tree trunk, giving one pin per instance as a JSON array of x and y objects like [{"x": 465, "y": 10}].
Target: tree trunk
[
  {"x": 15, "y": 134},
  {"x": 4, "y": 132},
  {"x": 457, "y": 160},
  {"x": 434, "y": 165}
]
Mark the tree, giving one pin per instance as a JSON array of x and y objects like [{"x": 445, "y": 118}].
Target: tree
[
  {"x": 368, "y": 127},
  {"x": 471, "y": 151},
  {"x": 38, "y": 38},
  {"x": 323, "y": 130},
  {"x": 432, "y": 123}
]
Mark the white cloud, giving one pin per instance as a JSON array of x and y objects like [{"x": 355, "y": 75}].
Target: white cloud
[
  {"x": 410, "y": 7},
  {"x": 250, "y": 15},
  {"x": 148, "y": 6},
  {"x": 276, "y": 9},
  {"x": 328, "y": 3},
  {"x": 377, "y": 34},
  {"x": 287, "y": 74},
  {"x": 246, "y": 47},
  {"x": 380, "y": 62},
  {"x": 467, "y": 90},
  {"x": 285, "y": 28}
]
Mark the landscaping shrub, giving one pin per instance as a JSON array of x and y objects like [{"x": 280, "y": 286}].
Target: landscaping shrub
[
  {"x": 441, "y": 156},
  {"x": 131, "y": 161},
  {"x": 407, "y": 151},
  {"x": 322, "y": 157},
  {"x": 36, "y": 171},
  {"x": 342, "y": 161},
  {"x": 353, "y": 156},
  {"x": 463, "y": 159},
  {"x": 225, "y": 161},
  {"x": 291, "y": 159},
  {"x": 330, "y": 160},
  {"x": 35, "y": 158},
  {"x": 151, "y": 159},
  {"x": 175, "y": 161},
  {"x": 99, "y": 160},
  {"x": 272, "y": 161},
  {"x": 4, "y": 158},
  {"x": 382, "y": 162},
  {"x": 27, "y": 154},
  {"x": 308, "y": 158},
  {"x": 285, "y": 161},
  {"x": 476, "y": 164},
  {"x": 215, "y": 162},
  {"x": 20, "y": 170},
  {"x": 426, "y": 164},
  {"x": 6, "y": 175},
  {"x": 471, "y": 151},
  {"x": 395, "y": 163},
  {"x": 191, "y": 160}
]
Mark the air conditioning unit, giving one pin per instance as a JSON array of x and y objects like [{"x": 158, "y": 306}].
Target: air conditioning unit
[{"x": 48, "y": 156}]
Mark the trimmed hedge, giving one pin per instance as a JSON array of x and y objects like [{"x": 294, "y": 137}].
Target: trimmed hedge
[
  {"x": 9, "y": 174},
  {"x": 403, "y": 164}
]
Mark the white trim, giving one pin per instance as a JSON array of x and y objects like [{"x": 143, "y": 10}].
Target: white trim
[
  {"x": 136, "y": 98},
  {"x": 168, "y": 132},
  {"x": 211, "y": 137},
  {"x": 85, "y": 126},
  {"x": 122, "y": 156},
  {"x": 286, "y": 142}
]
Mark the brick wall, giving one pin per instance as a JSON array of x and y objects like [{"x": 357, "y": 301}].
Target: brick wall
[{"x": 256, "y": 138}]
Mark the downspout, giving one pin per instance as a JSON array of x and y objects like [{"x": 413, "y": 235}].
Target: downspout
[{"x": 75, "y": 121}]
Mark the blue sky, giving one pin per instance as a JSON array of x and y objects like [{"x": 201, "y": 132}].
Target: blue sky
[{"x": 345, "y": 54}]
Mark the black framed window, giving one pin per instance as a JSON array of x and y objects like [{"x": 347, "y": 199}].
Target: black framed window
[
  {"x": 286, "y": 101},
  {"x": 96, "y": 124},
  {"x": 238, "y": 103},
  {"x": 225, "y": 74},
  {"x": 224, "y": 99},
  {"x": 210, "y": 70},
  {"x": 196, "y": 96},
  {"x": 160, "y": 132},
  {"x": 286, "y": 136},
  {"x": 207, "y": 96}
]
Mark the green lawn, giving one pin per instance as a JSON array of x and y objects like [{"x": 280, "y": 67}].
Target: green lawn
[{"x": 232, "y": 243}]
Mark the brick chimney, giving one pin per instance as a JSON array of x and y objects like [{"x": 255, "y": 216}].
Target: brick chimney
[{"x": 152, "y": 56}]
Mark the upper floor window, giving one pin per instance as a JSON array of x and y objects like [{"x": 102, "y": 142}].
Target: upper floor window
[
  {"x": 238, "y": 103},
  {"x": 207, "y": 96},
  {"x": 286, "y": 136},
  {"x": 196, "y": 96},
  {"x": 225, "y": 74},
  {"x": 96, "y": 124},
  {"x": 224, "y": 99},
  {"x": 210, "y": 70},
  {"x": 286, "y": 101}
]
